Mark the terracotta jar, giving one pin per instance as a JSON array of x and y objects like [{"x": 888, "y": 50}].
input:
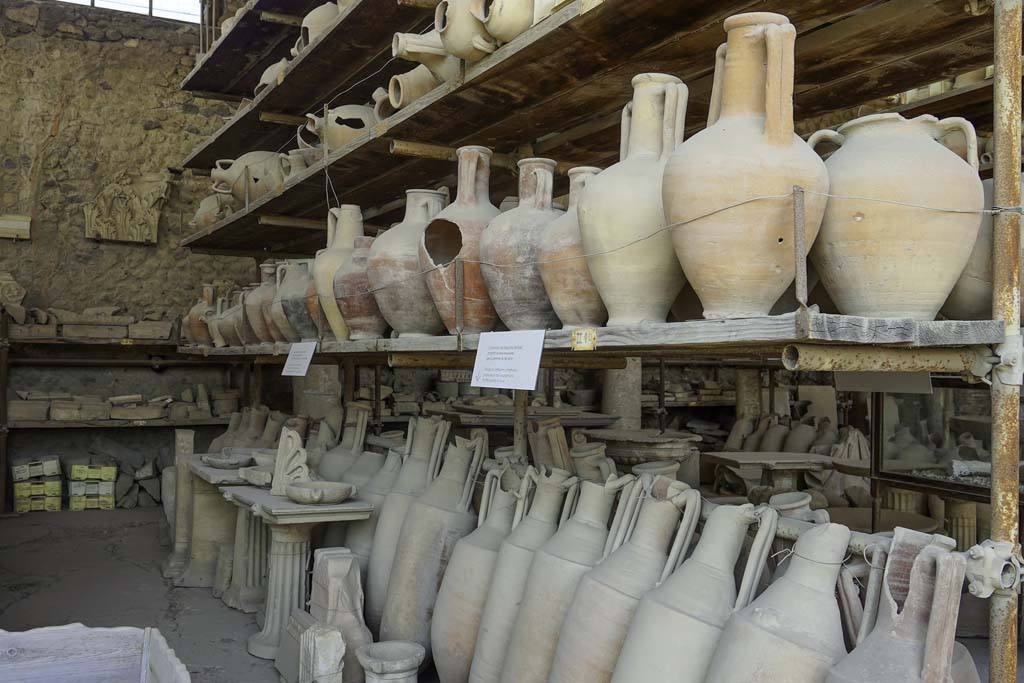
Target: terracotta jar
[
  {"x": 608, "y": 595},
  {"x": 344, "y": 225},
  {"x": 735, "y": 248},
  {"x": 454, "y": 234},
  {"x": 393, "y": 269},
  {"x": 557, "y": 568},
  {"x": 352, "y": 292},
  {"x": 508, "y": 586},
  {"x": 417, "y": 472},
  {"x": 462, "y": 33},
  {"x": 508, "y": 250},
  {"x": 358, "y": 535},
  {"x": 436, "y": 521},
  {"x": 270, "y": 76},
  {"x": 503, "y": 19},
  {"x": 293, "y": 162},
  {"x": 256, "y": 302},
  {"x": 563, "y": 265},
  {"x": 891, "y": 260},
  {"x": 213, "y": 323},
  {"x": 249, "y": 177},
  {"x": 342, "y": 125},
  {"x": 291, "y": 293},
  {"x": 694, "y": 603},
  {"x": 314, "y": 24},
  {"x": 621, "y": 218},
  {"x": 460, "y": 602},
  {"x": 226, "y": 320},
  {"x": 792, "y": 631},
  {"x": 436, "y": 67},
  {"x": 198, "y": 316},
  {"x": 335, "y": 462},
  {"x": 359, "y": 474},
  {"x": 212, "y": 210},
  {"x": 267, "y": 303},
  {"x": 243, "y": 328}
]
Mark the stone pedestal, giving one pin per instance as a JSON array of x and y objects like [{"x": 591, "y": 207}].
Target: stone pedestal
[
  {"x": 621, "y": 394},
  {"x": 248, "y": 588},
  {"x": 213, "y": 526},
  {"x": 286, "y": 585},
  {"x": 176, "y": 562}
]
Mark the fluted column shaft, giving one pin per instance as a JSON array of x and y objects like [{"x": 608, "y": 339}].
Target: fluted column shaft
[{"x": 286, "y": 585}]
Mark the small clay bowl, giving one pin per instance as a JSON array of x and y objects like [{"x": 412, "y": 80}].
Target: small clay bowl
[
  {"x": 319, "y": 492},
  {"x": 227, "y": 462}
]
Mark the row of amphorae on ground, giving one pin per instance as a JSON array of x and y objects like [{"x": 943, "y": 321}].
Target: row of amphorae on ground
[
  {"x": 894, "y": 222},
  {"x": 588, "y": 578}
]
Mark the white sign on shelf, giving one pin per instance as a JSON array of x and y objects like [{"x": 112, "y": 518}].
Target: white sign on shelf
[
  {"x": 299, "y": 357},
  {"x": 508, "y": 360}
]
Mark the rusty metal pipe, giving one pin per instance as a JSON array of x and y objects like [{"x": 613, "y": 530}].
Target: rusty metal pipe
[
  {"x": 810, "y": 357},
  {"x": 1006, "y": 16}
]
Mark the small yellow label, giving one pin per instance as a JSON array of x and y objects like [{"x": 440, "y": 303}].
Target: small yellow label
[{"x": 584, "y": 339}]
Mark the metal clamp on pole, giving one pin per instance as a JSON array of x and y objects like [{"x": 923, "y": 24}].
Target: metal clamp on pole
[
  {"x": 1010, "y": 368},
  {"x": 992, "y": 566}
]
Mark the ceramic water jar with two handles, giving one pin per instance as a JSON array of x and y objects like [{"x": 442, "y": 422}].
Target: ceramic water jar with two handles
[
  {"x": 355, "y": 300},
  {"x": 728, "y": 190}
]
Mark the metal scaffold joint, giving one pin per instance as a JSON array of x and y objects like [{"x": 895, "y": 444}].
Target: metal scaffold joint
[
  {"x": 1010, "y": 368},
  {"x": 993, "y": 566}
]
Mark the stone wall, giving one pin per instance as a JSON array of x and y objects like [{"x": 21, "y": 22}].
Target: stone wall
[{"x": 84, "y": 94}]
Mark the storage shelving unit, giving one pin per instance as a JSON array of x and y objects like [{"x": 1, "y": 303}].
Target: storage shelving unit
[{"x": 557, "y": 91}]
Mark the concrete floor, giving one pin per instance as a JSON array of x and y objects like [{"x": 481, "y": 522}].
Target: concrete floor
[{"x": 102, "y": 568}]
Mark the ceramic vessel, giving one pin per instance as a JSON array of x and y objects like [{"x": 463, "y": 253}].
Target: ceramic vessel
[
  {"x": 291, "y": 293},
  {"x": 503, "y": 19},
  {"x": 793, "y": 630},
  {"x": 352, "y": 293},
  {"x": 358, "y": 474},
  {"x": 508, "y": 249},
  {"x": 358, "y": 535},
  {"x": 912, "y": 639},
  {"x": 270, "y": 76},
  {"x": 393, "y": 269},
  {"x": 460, "y": 601},
  {"x": 342, "y": 125},
  {"x": 462, "y": 33},
  {"x": 314, "y": 24},
  {"x": 971, "y": 298},
  {"x": 249, "y": 177},
  {"x": 454, "y": 234},
  {"x": 591, "y": 463},
  {"x": 212, "y": 210},
  {"x": 563, "y": 264},
  {"x": 277, "y": 310},
  {"x": 737, "y": 250},
  {"x": 293, "y": 162},
  {"x": 694, "y": 603},
  {"x": 556, "y": 570},
  {"x": 620, "y": 211},
  {"x": 255, "y": 303},
  {"x": 225, "y": 324},
  {"x": 435, "y": 522},
  {"x": 417, "y": 472},
  {"x": 885, "y": 258},
  {"x": 266, "y": 298},
  {"x": 243, "y": 326},
  {"x": 392, "y": 661},
  {"x": 336, "y": 461},
  {"x": 429, "y": 51},
  {"x": 603, "y": 605},
  {"x": 508, "y": 584},
  {"x": 344, "y": 225},
  {"x": 195, "y": 323}
]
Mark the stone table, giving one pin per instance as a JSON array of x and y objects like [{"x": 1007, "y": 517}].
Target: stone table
[
  {"x": 290, "y": 526},
  {"x": 211, "y": 548},
  {"x": 779, "y": 470}
]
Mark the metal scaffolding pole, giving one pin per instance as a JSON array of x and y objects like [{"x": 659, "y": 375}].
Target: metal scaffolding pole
[{"x": 1006, "y": 307}]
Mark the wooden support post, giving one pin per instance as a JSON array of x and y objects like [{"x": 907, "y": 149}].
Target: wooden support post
[
  {"x": 661, "y": 395},
  {"x": 550, "y": 381},
  {"x": 521, "y": 399},
  {"x": 349, "y": 382}
]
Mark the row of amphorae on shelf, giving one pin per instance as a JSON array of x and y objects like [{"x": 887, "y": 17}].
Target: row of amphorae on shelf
[{"x": 894, "y": 219}]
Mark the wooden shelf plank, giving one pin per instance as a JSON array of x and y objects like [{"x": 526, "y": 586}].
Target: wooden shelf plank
[
  {"x": 234, "y": 63},
  {"x": 71, "y": 341},
  {"x": 353, "y": 56},
  {"x": 114, "y": 424}
]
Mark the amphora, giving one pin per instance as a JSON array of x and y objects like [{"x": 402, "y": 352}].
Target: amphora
[
  {"x": 462, "y": 33},
  {"x": 249, "y": 177},
  {"x": 358, "y": 535},
  {"x": 293, "y": 281},
  {"x": 342, "y": 124},
  {"x": 197, "y": 318},
  {"x": 352, "y": 292},
  {"x": 344, "y": 225}
]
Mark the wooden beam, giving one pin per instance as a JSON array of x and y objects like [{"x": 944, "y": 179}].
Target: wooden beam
[
  {"x": 291, "y": 222},
  {"x": 278, "y": 18},
  {"x": 283, "y": 119}
]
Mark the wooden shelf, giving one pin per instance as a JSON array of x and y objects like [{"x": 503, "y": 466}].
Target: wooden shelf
[
  {"x": 234, "y": 63},
  {"x": 735, "y": 338},
  {"x": 71, "y": 341},
  {"x": 353, "y": 57},
  {"x": 114, "y": 424},
  {"x": 560, "y": 87},
  {"x": 707, "y": 403}
]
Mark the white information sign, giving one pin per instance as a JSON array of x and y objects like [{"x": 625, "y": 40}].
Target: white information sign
[
  {"x": 299, "y": 356},
  {"x": 508, "y": 360}
]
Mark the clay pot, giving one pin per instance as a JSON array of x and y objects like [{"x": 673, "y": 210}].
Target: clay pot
[
  {"x": 563, "y": 266},
  {"x": 603, "y": 605},
  {"x": 508, "y": 585},
  {"x": 277, "y": 311},
  {"x": 358, "y": 535},
  {"x": 270, "y": 76},
  {"x": 253, "y": 430},
  {"x": 344, "y": 225},
  {"x": 793, "y": 630},
  {"x": 417, "y": 471},
  {"x": 460, "y": 601},
  {"x": 228, "y": 311},
  {"x": 694, "y": 603},
  {"x": 243, "y": 326},
  {"x": 890, "y": 260},
  {"x": 437, "y": 67},
  {"x": 197, "y": 318},
  {"x": 971, "y": 298},
  {"x": 736, "y": 253},
  {"x": 229, "y": 23},
  {"x": 435, "y": 522},
  {"x": 267, "y": 301},
  {"x": 462, "y": 33},
  {"x": 393, "y": 269},
  {"x": 314, "y": 24},
  {"x": 249, "y": 177},
  {"x": 503, "y": 19},
  {"x": 293, "y": 162},
  {"x": 508, "y": 248},
  {"x": 557, "y": 568},
  {"x": 212, "y": 210},
  {"x": 228, "y": 437},
  {"x": 291, "y": 293},
  {"x": 336, "y": 461},
  {"x": 256, "y": 302},
  {"x": 213, "y": 323},
  {"x": 774, "y": 436},
  {"x": 359, "y": 474},
  {"x": 343, "y": 125},
  {"x": 620, "y": 213},
  {"x": 801, "y": 436},
  {"x": 454, "y": 234},
  {"x": 590, "y": 462},
  {"x": 352, "y": 292}
]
